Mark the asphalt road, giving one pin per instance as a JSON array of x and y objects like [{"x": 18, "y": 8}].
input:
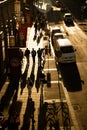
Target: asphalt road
[{"x": 77, "y": 75}]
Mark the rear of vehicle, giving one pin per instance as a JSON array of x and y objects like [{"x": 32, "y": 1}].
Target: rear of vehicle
[
  {"x": 68, "y": 19},
  {"x": 64, "y": 51},
  {"x": 54, "y": 31},
  {"x": 57, "y": 36}
]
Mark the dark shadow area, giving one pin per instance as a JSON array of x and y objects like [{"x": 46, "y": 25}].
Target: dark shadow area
[
  {"x": 32, "y": 76},
  {"x": 13, "y": 121},
  {"x": 9, "y": 101},
  {"x": 41, "y": 78},
  {"x": 51, "y": 16},
  {"x": 70, "y": 24},
  {"x": 42, "y": 117},
  {"x": 15, "y": 106},
  {"x": 30, "y": 81},
  {"x": 37, "y": 82},
  {"x": 11, "y": 92},
  {"x": 48, "y": 80},
  {"x": 74, "y": 7},
  {"x": 71, "y": 76},
  {"x": 2, "y": 80},
  {"x": 23, "y": 79},
  {"x": 29, "y": 115}
]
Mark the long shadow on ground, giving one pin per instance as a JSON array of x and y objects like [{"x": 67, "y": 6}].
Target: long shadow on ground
[{"x": 71, "y": 76}]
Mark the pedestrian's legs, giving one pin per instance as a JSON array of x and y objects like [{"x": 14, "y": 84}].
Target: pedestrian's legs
[{"x": 33, "y": 59}]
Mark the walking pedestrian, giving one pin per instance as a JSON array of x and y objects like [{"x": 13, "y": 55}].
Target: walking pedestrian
[
  {"x": 33, "y": 53},
  {"x": 39, "y": 53},
  {"x": 27, "y": 53},
  {"x": 35, "y": 26}
]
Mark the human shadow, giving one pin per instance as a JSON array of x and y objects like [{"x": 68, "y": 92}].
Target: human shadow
[
  {"x": 32, "y": 76},
  {"x": 30, "y": 81},
  {"x": 29, "y": 116},
  {"x": 24, "y": 78},
  {"x": 13, "y": 120},
  {"x": 9, "y": 102},
  {"x": 41, "y": 78},
  {"x": 12, "y": 90},
  {"x": 37, "y": 82}
]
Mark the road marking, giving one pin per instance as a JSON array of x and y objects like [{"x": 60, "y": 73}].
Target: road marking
[
  {"x": 51, "y": 69},
  {"x": 50, "y": 59},
  {"x": 55, "y": 100}
]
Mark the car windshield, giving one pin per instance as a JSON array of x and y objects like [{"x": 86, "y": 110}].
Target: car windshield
[
  {"x": 69, "y": 16},
  {"x": 56, "y": 31},
  {"x": 67, "y": 49}
]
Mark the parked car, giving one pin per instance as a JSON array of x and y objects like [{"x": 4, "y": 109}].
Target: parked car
[
  {"x": 57, "y": 36},
  {"x": 55, "y": 30},
  {"x": 68, "y": 19}
]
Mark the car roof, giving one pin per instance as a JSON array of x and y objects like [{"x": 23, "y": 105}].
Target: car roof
[
  {"x": 64, "y": 42},
  {"x": 59, "y": 35},
  {"x": 55, "y": 28},
  {"x": 67, "y": 14}
]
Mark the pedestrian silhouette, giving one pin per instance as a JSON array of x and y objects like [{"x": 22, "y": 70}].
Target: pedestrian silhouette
[
  {"x": 27, "y": 53},
  {"x": 39, "y": 53},
  {"x": 33, "y": 53}
]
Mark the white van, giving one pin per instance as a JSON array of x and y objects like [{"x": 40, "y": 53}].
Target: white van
[{"x": 64, "y": 51}]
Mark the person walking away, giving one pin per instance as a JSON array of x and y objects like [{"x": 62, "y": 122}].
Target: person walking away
[
  {"x": 39, "y": 53},
  {"x": 33, "y": 53},
  {"x": 27, "y": 53}
]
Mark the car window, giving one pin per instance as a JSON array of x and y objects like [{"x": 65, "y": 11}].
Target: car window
[{"x": 68, "y": 49}]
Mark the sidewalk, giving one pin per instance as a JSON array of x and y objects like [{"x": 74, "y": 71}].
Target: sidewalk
[{"x": 12, "y": 100}]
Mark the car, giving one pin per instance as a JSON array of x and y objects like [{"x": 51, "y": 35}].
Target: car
[
  {"x": 55, "y": 30},
  {"x": 57, "y": 36},
  {"x": 68, "y": 19},
  {"x": 64, "y": 51}
]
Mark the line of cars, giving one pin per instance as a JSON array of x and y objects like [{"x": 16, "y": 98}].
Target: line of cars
[{"x": 63, "y": 48}]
